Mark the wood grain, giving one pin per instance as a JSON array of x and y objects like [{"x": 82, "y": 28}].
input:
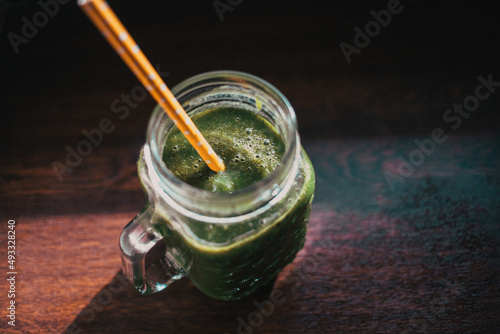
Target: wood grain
[{"x": 421, "y": 256}]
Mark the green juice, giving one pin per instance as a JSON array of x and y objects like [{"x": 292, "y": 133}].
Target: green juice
[{"x": 226, "y": 261}]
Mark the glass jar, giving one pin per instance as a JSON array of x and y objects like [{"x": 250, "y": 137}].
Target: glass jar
[{"x": 227, "y": 244}]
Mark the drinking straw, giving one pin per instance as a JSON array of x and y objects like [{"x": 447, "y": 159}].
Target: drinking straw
[{"x": 113, "y": 30}]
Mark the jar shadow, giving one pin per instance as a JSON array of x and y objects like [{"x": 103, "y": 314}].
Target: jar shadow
[{"x": 119, "y": 308}]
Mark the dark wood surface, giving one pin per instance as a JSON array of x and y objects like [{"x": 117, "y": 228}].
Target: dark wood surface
[{"x": 415, "y": 253}]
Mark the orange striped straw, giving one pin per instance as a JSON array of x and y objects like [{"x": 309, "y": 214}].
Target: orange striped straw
[{"x": 113, "y": 30}]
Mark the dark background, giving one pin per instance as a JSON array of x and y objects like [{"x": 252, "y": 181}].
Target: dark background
[
  {"x": 394, "y": 91},
  {"x": 428, "y": 58}
]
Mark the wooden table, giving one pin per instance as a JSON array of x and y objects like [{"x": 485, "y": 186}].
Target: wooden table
[{"x": 404, "y": 237}]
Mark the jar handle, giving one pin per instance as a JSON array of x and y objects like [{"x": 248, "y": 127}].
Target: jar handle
[{"x": 146, "y": 261}]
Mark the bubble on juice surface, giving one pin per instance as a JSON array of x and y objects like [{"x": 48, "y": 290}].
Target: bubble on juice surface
[
  {"x": 248, "y": 130},
  {"x": 266, "y": 142},
  {"x": 175, "y": 148}
]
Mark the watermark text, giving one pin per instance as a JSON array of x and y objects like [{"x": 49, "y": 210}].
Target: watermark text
[
  {"x": 121, "y": 107},
  {"x": 372, "y": 29},
  {"x": 454, "y": 118},
  {"x": 11, "y": 272},
  {"x": 30, "y": 28}
]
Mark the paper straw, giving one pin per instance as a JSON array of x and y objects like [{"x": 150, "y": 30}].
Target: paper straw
[{"x": 113, "y": 30}]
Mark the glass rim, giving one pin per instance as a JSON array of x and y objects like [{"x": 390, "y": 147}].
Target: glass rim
[{"x": 255, "y": 192}]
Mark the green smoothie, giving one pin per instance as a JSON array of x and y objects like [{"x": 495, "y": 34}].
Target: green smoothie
[
  {"x": 249, "y": 145},
  {"x": 251, "y": 149}
]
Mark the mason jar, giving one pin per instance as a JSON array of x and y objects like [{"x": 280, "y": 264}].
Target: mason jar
[{"x": 227, "y": 243}]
